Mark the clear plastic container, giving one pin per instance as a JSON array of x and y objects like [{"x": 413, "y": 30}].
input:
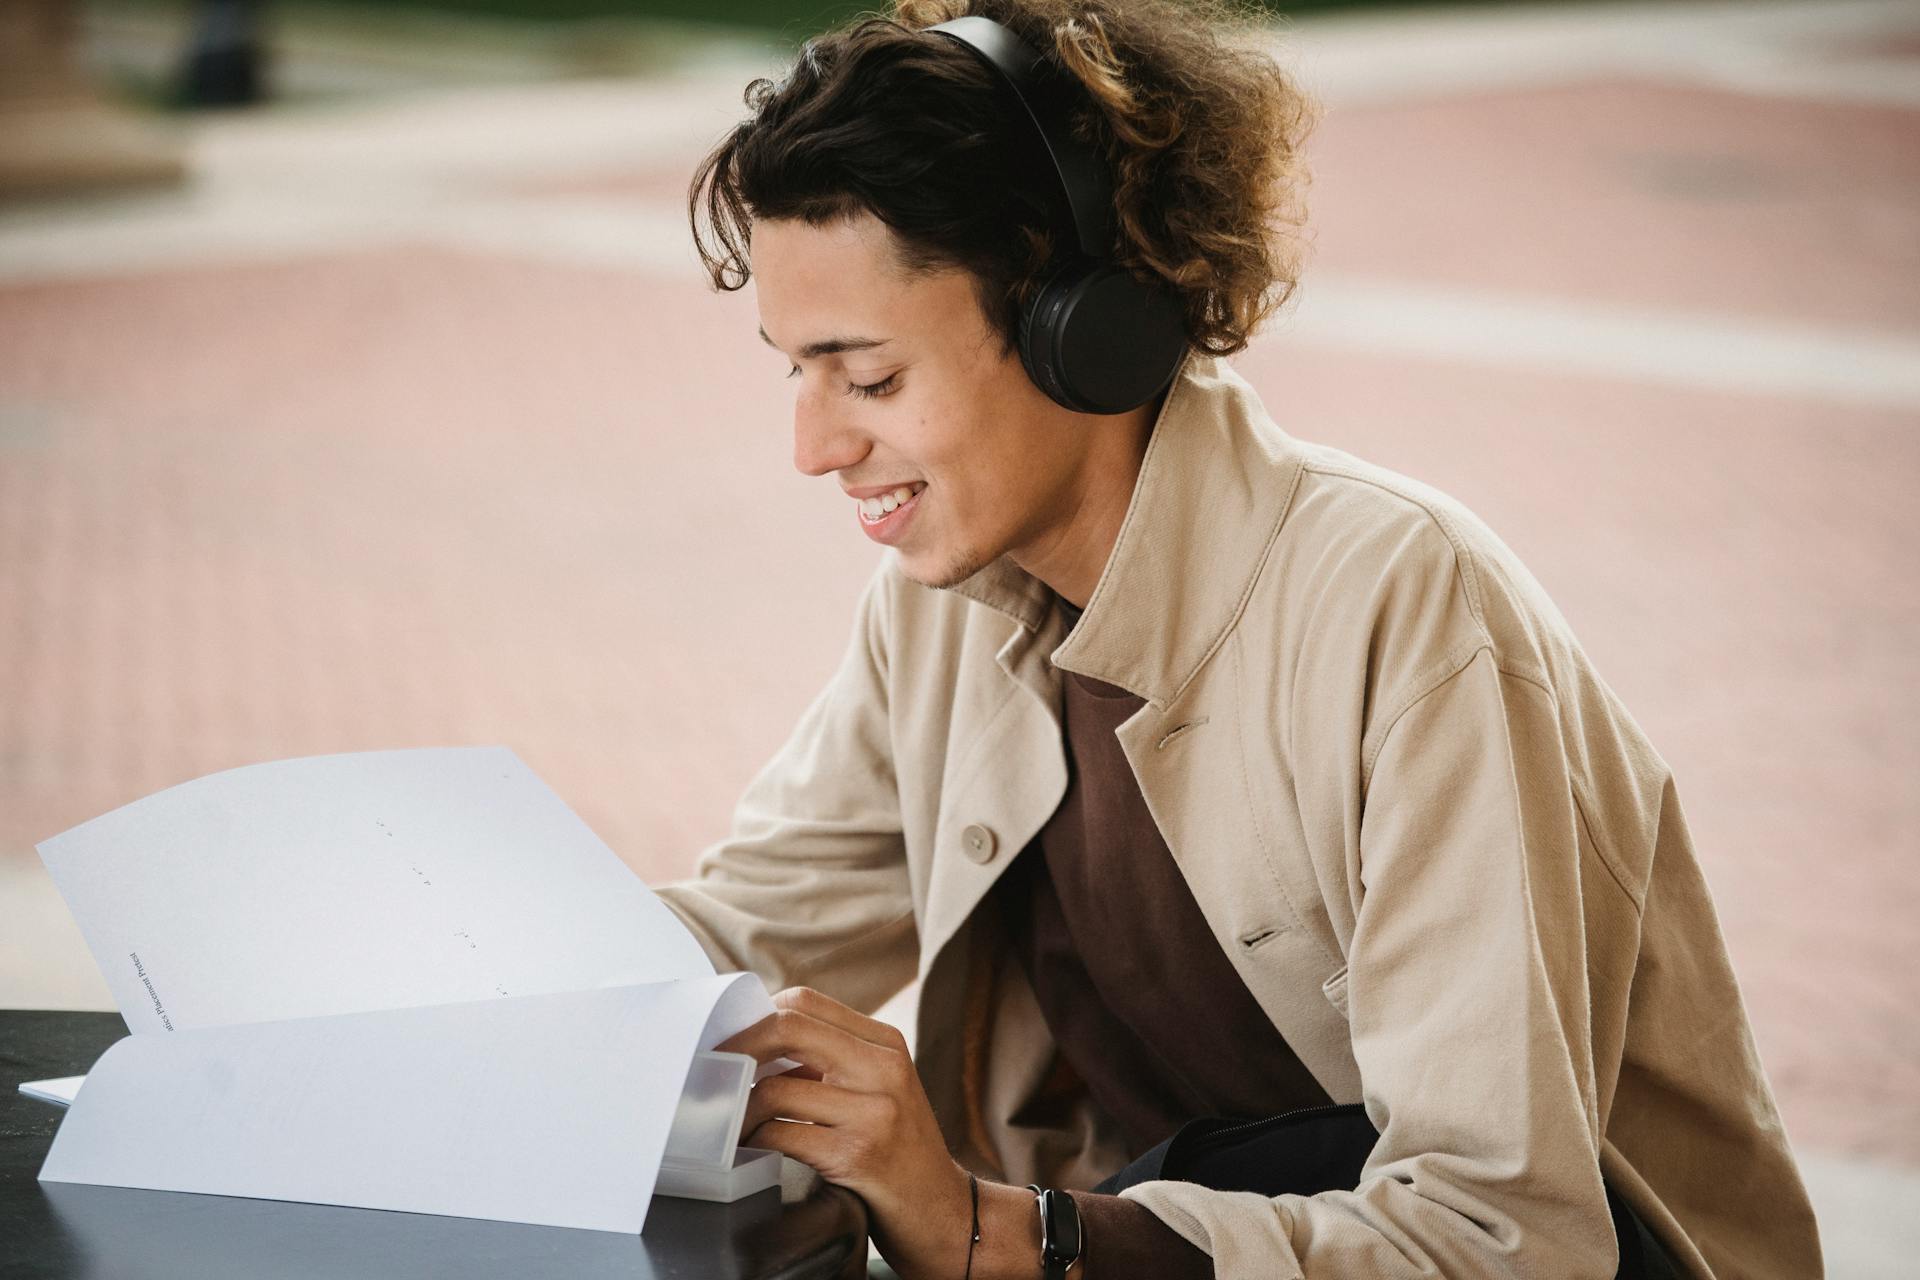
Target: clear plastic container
[{"x": 704, "y": 1159}]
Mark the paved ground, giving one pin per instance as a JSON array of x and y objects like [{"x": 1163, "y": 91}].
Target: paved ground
[{"x": 411, "y": 422}]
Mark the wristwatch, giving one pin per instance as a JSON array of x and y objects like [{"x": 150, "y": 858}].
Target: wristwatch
[{"x": 1061, "y": 1243}]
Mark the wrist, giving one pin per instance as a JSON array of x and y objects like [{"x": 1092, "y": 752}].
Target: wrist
[
  {"x": 924, "y": 1235},
  {"x": 1009, "y": 1247}
]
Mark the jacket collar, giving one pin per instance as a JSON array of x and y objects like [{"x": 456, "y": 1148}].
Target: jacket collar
[{"x": 1212, "y": 491}]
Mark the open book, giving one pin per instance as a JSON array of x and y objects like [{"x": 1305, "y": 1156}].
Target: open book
[{"x": 407, "y": 980}]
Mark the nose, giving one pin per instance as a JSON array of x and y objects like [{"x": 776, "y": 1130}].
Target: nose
[{"x": 823, "y": 439}]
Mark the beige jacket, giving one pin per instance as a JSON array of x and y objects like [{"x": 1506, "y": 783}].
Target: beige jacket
[{"x": 1434, "y": 845}]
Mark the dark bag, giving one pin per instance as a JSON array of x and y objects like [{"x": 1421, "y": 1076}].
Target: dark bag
[{"x": 1323, "y": 1149}]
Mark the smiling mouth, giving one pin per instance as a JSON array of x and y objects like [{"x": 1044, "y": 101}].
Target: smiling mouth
[{"x": 874, "y": 510}]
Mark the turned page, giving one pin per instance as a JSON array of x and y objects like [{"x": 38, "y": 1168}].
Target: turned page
[
  {"x": 550, "y": 1109},
  {"x": 348, "y": 883}
]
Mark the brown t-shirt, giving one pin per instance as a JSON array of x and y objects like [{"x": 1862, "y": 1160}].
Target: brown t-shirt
[{"x": 1139, "y": 996}]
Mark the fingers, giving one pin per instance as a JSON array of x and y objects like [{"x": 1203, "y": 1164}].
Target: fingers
[
  {"x": 787, "y": 1033},
  {"x": 863, "y": 1121},
  {"x": 791, "y": 1097},
  {"x": 827, "y": 1049},
  {"x": 801, "y": 1072},
  {"x": 811, "y": 1144},
  {"x": 852, "y": 1155},
  {"x": 830, "y": 1011}
]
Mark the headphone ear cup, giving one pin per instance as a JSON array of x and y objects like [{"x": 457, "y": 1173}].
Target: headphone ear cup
[
  {"x": 1038, "y": 325},
  {"x": 1098, "y": 341}
]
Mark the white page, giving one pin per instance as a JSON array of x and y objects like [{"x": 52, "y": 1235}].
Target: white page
[
  {"x": 549, "y": 1109},
  {"x": 62, "y": 1090},
  {"x": 375, "y": 880}
]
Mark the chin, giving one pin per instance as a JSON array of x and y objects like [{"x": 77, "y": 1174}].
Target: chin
[{"x": 941, "y": 571}]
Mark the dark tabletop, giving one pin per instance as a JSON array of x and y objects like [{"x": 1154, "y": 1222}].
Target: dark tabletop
[{"x": 58, "y": 1229}]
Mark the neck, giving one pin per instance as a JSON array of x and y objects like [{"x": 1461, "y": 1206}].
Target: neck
[{"x": 1073, "y": 553}]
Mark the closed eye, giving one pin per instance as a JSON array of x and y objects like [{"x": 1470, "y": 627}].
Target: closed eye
[
  {"x": 866, "y": 391},
  {"x": 873, "y": 390}
]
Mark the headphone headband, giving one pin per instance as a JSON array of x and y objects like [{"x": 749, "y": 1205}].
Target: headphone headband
[
  {"x": 1045, "y": 94},
  {"x": 1091, "y": 337}
]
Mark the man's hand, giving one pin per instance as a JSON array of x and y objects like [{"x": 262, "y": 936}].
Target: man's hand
[{"x": 855, "y": 1111}]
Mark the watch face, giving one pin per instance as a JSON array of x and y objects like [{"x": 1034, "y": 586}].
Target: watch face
[{"x": 1059, "y": 1227}]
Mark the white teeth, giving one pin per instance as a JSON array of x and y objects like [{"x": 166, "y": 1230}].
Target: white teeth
[{"x": 875, "y": 508}]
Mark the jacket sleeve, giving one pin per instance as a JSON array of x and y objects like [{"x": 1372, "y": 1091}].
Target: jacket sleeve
[
  {"x": 810, "y": 885},
  {"x": 1468, "y": 1001}
]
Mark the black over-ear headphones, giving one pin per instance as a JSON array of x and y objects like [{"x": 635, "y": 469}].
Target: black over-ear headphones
[{"x": 1093, "y": 338}]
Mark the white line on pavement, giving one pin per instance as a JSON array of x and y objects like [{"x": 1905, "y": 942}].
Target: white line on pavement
[
  {"x": 1708, "y": 351},
  {"x": 1807, "y": 49}
]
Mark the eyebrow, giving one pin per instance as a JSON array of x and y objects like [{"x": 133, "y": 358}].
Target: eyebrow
[{"x": 832, "y": 346}]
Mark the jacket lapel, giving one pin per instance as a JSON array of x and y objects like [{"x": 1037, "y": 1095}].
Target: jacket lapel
[
  {"x": 981, "y": 791},
  {"x": 1213, "y": 491}
]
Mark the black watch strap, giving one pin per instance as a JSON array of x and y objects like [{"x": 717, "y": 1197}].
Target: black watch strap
[{"x": 1061, "y": 1243}]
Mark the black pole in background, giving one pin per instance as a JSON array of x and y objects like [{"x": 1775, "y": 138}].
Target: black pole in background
[{"x": 226, "y": 60}]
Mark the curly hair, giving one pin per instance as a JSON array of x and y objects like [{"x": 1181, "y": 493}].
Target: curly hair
[{"x": 1201, "y": 129}]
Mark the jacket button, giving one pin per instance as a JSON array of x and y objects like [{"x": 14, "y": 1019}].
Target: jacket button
[{"x": 979, "y": 843}]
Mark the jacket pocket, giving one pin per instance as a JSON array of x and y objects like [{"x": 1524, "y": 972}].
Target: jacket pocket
[{"x": 1335, "y": 990}]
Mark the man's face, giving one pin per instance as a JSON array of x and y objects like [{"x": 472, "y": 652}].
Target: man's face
[{"x": 990, "y": 461}]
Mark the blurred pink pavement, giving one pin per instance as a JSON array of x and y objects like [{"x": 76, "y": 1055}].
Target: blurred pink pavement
[{"x": 368, "y": 439}]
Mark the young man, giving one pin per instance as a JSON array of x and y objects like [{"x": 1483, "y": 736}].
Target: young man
[{"x": 1192, "y": 769}]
